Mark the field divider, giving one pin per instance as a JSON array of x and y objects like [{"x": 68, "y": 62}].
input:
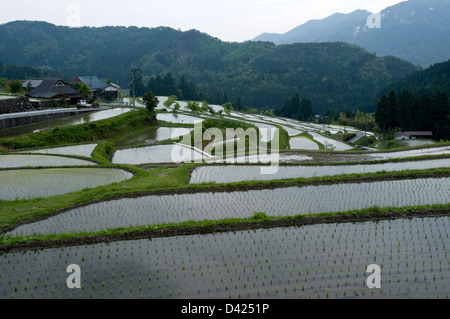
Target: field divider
[
  {"x": 259, "y": 220},
  {"x": 245, "y": 186}
]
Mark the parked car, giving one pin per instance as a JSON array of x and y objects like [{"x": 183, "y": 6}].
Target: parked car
[{"x": 84, "y": 104}]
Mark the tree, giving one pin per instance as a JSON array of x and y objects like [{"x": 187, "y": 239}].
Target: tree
[
  {"x": 187, "y": 90},
  {"x": 393, "y": 114},
  {"x": 194, "y": 107},
  {"x": 405, "y": 107},
  {"x": 136, "y": 82},
  {"x": 150, "y": 101},
  {"x": 84, "y": 90},
  {"x": 291, "y": 107},
  {"x": 15, "y": 86},
  {"x": 239, "y": 106},
  {"x": 218, "y": 99},
  {"x": 3, "y": 83},
  {"x": 382, "y": 113},
  {"x": 330, "y": 113},
  {"x": 305, "y": 110},
  {"x": 225, "y": 97}
]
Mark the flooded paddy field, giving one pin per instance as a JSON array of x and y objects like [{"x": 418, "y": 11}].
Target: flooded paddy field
[
  {"x": 328, "y": 156},
  {"x": 152, "y": 135},
  {"x": 84, "y": 150},
  {"x": 199, "y": 206},
  {"x": 324, "y": 261},
  {"x": 34, "y": 183},
  {"x": 303, "y": 143},
  {"x": 25, "y": 160},
  {"x": 170, "y": 153},
  {"x": 65, "y": 121},
  {"x": 233, "y": 174},
  {"x": 178, "y": 118}
]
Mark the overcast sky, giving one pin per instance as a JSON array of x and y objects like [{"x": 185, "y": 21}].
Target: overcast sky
[{"x": 229, "y": 20}]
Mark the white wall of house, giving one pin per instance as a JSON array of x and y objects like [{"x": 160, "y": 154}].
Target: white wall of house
[{"x": 402, "y": 137}]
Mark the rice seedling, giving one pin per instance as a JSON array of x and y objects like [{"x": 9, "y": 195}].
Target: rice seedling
[
  {"x": 280, "y": 272},
  {"x": 233, "y": 173},
  {"x": 26, "y": 184},
  {"x": 153, "y": 210}
]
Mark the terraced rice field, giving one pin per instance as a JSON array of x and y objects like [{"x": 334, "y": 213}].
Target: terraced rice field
[
  {"x": 233, "y": 174},
  {"x": 17, "y": 161},
  {"x": 86, "y": 118},
  {"x": 324, "y": 261},
  {"x": 75, "y": 150},
  {"x": 444, "y": 150},
  {"x": 262, "y": 157},
  {"x": 152, "y": 135},
  {"x": 266, "y": 130},
  {"x": 302, "y": 143},
  {"x": 173, "y": 153},
  {"x": 291, "y": 131},
  {"x": 34, "y": 183},
  {"x": 327, "y": 142},
  {"x": 289, "y": 201},
  {"x": 178, "y": 118}
]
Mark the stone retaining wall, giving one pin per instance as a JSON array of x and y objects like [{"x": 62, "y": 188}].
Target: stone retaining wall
[{"x": 16, "y": 105}]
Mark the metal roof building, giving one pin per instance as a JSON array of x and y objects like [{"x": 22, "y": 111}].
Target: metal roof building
[{"x": 92, "y": 81}]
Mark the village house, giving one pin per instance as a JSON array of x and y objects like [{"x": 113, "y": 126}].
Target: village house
[
  {"x": 29, "y": 85},
  {"x": 98, "y": 87},
  {"x": 55, "y": 89},
  {"x": 95, "y": 85},
  {"x": 111, "y": 91},
  {"x": 412, "y": 135}
]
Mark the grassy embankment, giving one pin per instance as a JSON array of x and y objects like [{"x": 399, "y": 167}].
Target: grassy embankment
[{"x": 258, "y": 220}]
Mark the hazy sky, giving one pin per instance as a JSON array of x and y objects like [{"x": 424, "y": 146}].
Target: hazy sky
[{"x": 229, "y": 20}]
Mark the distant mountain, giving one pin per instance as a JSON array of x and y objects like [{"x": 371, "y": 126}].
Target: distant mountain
[
  {"x": 416, "y": 30},
  {"x": 331, "y": 75},
  {"x": 337, "y": 27}
]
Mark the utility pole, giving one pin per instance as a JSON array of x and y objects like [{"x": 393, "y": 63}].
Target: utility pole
[{"x": 133, "y": 72}]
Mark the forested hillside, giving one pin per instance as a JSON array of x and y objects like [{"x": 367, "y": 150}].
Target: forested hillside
[
  {"x": 418, "y": 102},
  {"x": 25, "y": 72},
  {"x": 435, "y": 78},
  {"x": 260, "y": 75}
]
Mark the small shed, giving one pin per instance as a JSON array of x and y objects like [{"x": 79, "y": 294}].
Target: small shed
[{"x": 111, "y": 91}]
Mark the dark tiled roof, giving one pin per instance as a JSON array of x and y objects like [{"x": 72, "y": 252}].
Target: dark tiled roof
[{"x": 53, "y": 86}]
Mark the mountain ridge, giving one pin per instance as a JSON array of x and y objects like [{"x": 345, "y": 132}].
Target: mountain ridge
[{"x": 417, "y": 31}]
